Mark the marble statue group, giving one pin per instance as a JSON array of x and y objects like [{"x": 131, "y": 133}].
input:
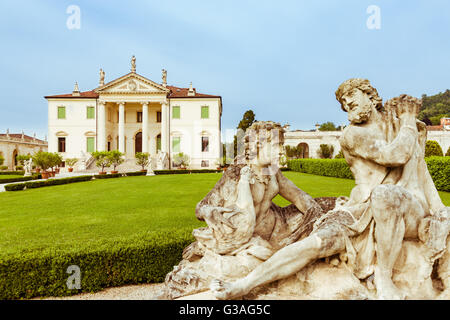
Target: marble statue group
[{"x": 387, "y": 240}]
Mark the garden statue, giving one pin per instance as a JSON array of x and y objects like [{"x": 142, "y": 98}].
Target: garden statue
[
  {"x": 162, "y": 160},
  {"x": 244, "y": 226},
  {"x": 393, "y": 229},
  {"x": 150, "y": 171},
  {"x": 102, "y": 78},
  {"x": 133, "y": 64},
  {"x": 388, "y": 240},
  {"x": 28, "y": 167}
]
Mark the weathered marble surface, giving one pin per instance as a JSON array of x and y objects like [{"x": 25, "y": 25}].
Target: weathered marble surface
[{"x": 388, "y": 240}]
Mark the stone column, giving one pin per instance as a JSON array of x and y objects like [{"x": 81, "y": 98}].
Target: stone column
[
  {"x": 122, "y": 127},
  {"x": 165, "y": 126},
  {"x": 145, "y": 127},
  {"x": 101, "y": 123}
]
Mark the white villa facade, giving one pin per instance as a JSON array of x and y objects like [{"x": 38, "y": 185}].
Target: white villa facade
[{"x": 135, "y": 114}]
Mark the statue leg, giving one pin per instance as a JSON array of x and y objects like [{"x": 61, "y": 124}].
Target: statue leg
[
  {"x": 285, "y": 262},
  {"x": 388, "y": 205}
]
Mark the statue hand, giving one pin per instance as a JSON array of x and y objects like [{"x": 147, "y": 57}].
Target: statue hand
[{"x": 215, "y": 215}]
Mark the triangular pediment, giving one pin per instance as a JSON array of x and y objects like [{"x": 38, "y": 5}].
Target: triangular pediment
[{"x": 132, "y": 83}]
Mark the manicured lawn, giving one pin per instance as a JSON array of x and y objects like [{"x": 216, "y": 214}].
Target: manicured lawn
[{"x": 85, "y": 212}]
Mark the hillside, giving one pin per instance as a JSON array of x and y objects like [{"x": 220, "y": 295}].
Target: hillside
[{"x": 435, "y": 107}]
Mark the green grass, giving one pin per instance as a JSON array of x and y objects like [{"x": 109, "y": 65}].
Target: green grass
[{"x": 82, "y": 213}]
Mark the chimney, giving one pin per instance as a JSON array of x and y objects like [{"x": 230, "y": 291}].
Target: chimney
[
  {"x": 191, "y": 91},
  {"x": 76, "y": 91}
]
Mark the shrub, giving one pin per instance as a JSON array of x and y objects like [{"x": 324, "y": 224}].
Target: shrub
[
  {"x": 340, "y": 155},
  {"x": 71, "y": 162},
  {"x": 447, "y": 154},
  {"x": 102, "y": 159},
  {"x": 45, "y": 160},
  {"x": 22, "y": 159},
  {"x": 19, "y": 168},
  {"x": 432, "y": 148},
  {"x": 115, "y": 158},
  {"x": 15, "y": 187},
  {"x": 3, "y": 167},
  {"x": 137, "y": 173},
  {"x": 325, "y": 151},
  {"x": 2, "y": 160},
  {"x": 439, "y": 168},
  {"x": 142, "y": 159},
  {"x": 108, "y": 176},
  {"x": 19, "y": 179},
  {"x": 14, "y": 173},
  {"x": 323, "y": 167},
  {"x": 181, "y": 159},
  {"x": 145, "y": 258}
]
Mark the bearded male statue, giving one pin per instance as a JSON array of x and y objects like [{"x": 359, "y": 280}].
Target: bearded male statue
[{"x": 393, "y": 218}]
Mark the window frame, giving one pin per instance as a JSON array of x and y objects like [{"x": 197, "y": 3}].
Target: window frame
[
  {"x": 58, "y": 112},
  {"x": 60, "y": 139},
  {"x": 207, "y": 146},
  {"x": 201, "y": 112},
  {"x": 87, "y": 144},
  {"x": 173, "y": 144},
  {"x": 93, "y": 112},
  {"x": 173, "y": 112}
]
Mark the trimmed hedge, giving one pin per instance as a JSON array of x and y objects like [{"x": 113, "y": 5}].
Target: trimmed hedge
[
  {"x": 107, "y": 176},
  {"x": 138, "y": 259},
  {"x": 187, "y": 171},
  {"x": 45, "y": 183},
  {"x": 439, "y": 168},
  {"x": 18, "y": 179},
  {"x": 137, "y": 173},
  {"x": 13, "y": 173}
]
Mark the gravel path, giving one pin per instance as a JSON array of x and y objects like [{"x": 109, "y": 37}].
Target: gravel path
[{"x": 135, "y": 292}]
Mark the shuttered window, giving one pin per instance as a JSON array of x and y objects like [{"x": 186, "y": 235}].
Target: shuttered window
[
  {"x": 176, "y": 144},
  {"x": 176, "y": 112},
  {"x": 90, "y": 112},
  {"x": 90, "y": 141},
  {"x": 158, "y": 143},
  {"x": 205, "y": 112},
  {"x": 61, "y": 112}
]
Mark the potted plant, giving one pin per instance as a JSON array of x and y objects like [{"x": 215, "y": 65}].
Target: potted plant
[
  {"x": 181, "y": 160},
  {"x": 42, "y": 160},
  {"x": 116, "y": 159},
  {"x": 71, "y": 162},
  {"x": 143, "y": 160},
  {"x": 101, "y": 160},
  {"x": 55, "y": 160}
]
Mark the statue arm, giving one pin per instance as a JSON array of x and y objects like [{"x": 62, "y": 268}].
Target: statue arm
[
  {"x": 289, "y": 191},
  {"x": 393, "y": 154}
]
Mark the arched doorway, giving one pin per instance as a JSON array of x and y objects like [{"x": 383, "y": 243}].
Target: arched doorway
[
  {"x": 14, "y": 157},
  {"x": 304, "y": 150},
  {"x": 138, "y": 142}
]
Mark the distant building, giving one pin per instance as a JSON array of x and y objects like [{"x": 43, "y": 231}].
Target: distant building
[
  {"x": 14, "y": 144},
  {"x": 135, "y": 114},
  {"x": 311, "y": 140}
]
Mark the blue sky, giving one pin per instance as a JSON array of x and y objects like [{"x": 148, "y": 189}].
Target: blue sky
[{"x": 282, "y": 59}]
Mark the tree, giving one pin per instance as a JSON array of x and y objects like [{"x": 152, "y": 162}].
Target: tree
[
  {"x": 328, "y": 126},
  {"x": 247, "y": 120},
  {"x": 71, "y": 162},
  {"x": 294, "y": 152},
  {"x": 340, "y": 155},
  {"x": 2, "y": 160},
  {"x": 55, "y": 159},
  {"x": 181, "y": 160},
  {"x": 432, "y": 148},
  {"x": 101, "y": 159},
  {"x": 447, "y": 154},
  {"x": 116, "y": 158},
  {"x": 22, "y": 159},
  {"x": 325, "y": 151},
  {"x": 142, "y": 159}
]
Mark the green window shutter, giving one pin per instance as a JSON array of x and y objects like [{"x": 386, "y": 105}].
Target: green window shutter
[
  {"x": 176, "y": 144},
  {"x": 90, "y": 144},
  {"x": 176, "y": 112},
  {"x": 158, "y": 143},
  {"x": 90, "y": 112},
  {"x": 205, "y": 112},
  {"x": 61, "y": 112}
]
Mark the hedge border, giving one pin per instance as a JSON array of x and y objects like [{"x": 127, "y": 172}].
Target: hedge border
[
  {"x": 144, "y": 258},
  {"x": 439, "y": 168},
  {"x": 17, "y": 173}
]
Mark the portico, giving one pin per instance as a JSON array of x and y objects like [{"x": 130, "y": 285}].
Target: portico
[{"x": 135, "y": 114}]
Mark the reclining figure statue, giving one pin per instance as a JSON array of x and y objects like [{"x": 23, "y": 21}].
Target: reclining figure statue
[{"x": 389, "y": 237}]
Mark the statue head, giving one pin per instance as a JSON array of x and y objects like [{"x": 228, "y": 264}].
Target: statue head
[
  {"x": 263, "y": 143},
  {"x": 359, "y": 99}
]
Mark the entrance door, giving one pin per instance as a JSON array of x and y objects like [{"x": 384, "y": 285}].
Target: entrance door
[{"x": 138, "y": 142}]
